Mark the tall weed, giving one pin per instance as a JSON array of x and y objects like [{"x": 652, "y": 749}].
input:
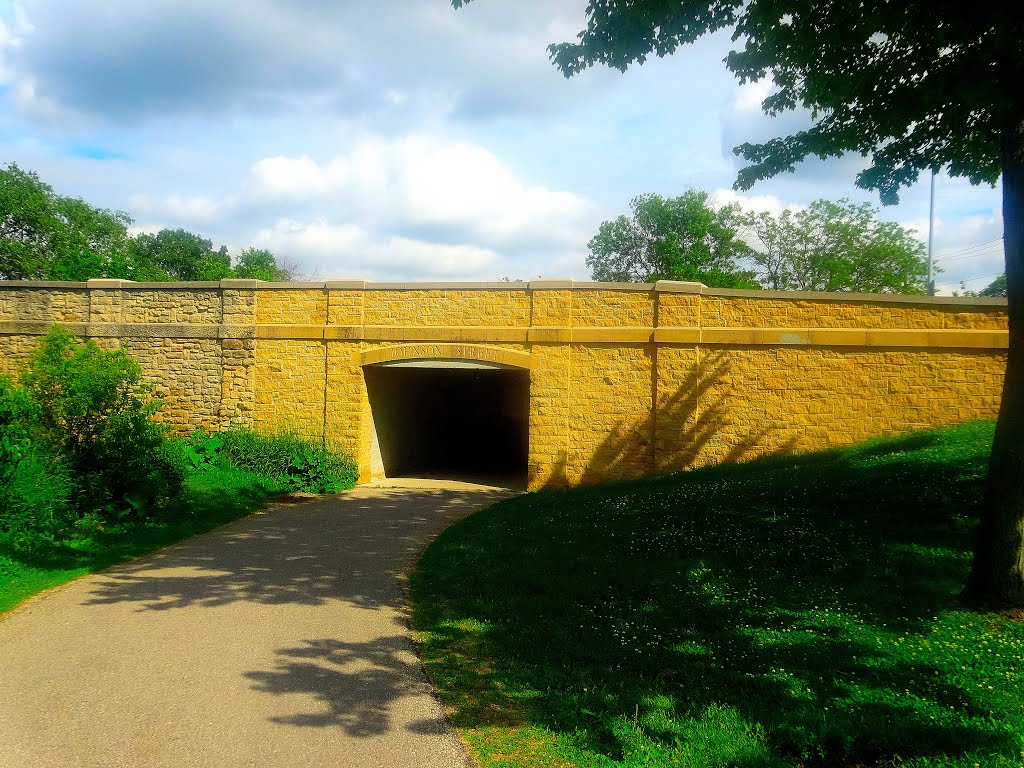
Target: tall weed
[
  {"x": 34, "y": 502},
  {"x": 35, "y": 507},
  {"x": 290, "y": 459}
]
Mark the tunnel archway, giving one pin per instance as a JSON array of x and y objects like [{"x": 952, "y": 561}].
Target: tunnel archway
[{"x": 443, "y": 418}]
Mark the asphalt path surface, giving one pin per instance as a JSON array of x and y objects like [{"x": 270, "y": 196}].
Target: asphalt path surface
[{"x": 279, "y": 640}]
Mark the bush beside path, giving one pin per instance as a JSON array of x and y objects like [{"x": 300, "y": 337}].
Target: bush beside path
[{"x": 90, "y": 477}]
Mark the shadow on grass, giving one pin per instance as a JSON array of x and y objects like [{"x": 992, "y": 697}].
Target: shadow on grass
[
  {"x": 207, "y": 502},
  {"x": 801, "y": 592}
]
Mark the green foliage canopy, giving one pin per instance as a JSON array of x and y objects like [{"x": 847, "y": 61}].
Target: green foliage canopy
[
  {"x": 680, "y": 238},
  {"x": 259, "y": 264},
  {"x": 995, "y": 289},
  {"x": 183, "y": 255},
  {"x": 46, "y": 236},
  {"x": 836, "y": 246},
  {"x": 914, "y": 85}
]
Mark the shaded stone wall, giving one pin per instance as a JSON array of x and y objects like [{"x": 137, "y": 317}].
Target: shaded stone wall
[{"x": 625, "y": 379}]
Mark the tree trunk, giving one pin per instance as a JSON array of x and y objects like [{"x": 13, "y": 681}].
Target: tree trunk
[{"x": 997, "y": 575}]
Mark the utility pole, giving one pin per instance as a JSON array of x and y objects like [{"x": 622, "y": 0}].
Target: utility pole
[{"x": 931, "y": 227}]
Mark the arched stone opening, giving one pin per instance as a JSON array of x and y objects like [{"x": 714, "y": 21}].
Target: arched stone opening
[{"x": 461, "y": 418}]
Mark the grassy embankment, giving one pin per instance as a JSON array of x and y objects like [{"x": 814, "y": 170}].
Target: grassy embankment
[{"x": 795, "y": 611}]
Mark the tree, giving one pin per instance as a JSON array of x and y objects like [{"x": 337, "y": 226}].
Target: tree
[
  {"x": 27, "y": 227},
  {"x": 913, "y": 85},
  {"x": 183, "y": 255},
  {"x": 996, "y": 288},
  {"x": 679, "y": 238},
  {"x": 260, "y": 264},
  {"x": 44, "y": 236},
  {"x": 837, "y": 246}
]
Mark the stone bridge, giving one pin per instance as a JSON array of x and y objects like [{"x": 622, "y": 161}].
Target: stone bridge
[{"x": 545, "y": 383}]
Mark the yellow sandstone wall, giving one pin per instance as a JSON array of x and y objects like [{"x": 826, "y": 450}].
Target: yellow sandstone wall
[{"x": 625, "y": 380}]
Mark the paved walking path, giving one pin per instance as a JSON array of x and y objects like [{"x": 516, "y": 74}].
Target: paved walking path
[{"x": 279, "y": 640}]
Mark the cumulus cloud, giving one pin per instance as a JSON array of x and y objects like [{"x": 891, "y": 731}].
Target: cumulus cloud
[
  {"x": 348, "y": 250},
  {"x": 423, "y": 182},
  {"x": 365, "y": 142},
  {"x": 414, "y": 206},
  {"x": 967, "y": 249},
  {"x": 176, "y": 209},
  {"x": 749, "y": 96}
]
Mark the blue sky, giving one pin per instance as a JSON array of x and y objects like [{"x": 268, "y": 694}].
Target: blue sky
[{"x": 413, "y": 142}]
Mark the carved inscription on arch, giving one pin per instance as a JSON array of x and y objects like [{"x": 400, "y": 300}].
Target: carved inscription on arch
[{"x": 430, "y": 351}]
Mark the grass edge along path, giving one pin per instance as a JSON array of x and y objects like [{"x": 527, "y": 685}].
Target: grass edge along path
[
  {"x": 791, "y": 611},
  {"x": 213, "y": 499}
]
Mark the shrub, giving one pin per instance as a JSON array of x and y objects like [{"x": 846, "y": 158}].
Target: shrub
[
  {"x": 18, "y": 414},
  {"x": 94, "y": 413}
]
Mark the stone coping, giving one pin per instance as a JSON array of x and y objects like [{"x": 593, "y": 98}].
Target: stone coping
[
  {"x": 949, "y": 338},
  {"x": 662, "y": 286}
]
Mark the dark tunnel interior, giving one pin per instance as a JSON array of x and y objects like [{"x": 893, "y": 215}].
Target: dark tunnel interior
[{"x": 461, "y": 423}]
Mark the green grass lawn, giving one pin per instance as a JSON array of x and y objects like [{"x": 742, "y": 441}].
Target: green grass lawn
[
  {"x": 795, "y": 611},
  {"x": 210, "y": 500}
]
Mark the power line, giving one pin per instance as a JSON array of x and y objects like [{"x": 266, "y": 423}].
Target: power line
[
  {"x": 984, "y": 252},
  {"x": 984, "y": 277},
  {"x": 972, "y": 279},
  {"x": 974, "y": 254},
  {"x": 977, "y": 246}
]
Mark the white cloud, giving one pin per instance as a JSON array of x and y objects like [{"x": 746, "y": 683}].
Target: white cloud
[
  {"x": 401, "y": 255},
  {"x": 317, "y": 241},
  {"x": 183, "y": 209},
  {"x": 754, "y": 203},
  {"x": 11, "y": 32},
  {"x": 467, "y": 185},
  {"x": 334, "y": 129},
  {"x": 297, "y": 178},
  {"x": 433, "y": 180},
  {"x": 422, "y": 181},
  {"x": 749, "y": 96},
  {"x": 418, "y": 205},
  {"x": 348, "y": 250},
  {"x": 967, "y": 249}
]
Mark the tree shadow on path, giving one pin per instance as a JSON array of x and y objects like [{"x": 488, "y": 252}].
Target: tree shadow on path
[
  {"x": 351, "y": 547},
  {"x": 356, "y": 684}
]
